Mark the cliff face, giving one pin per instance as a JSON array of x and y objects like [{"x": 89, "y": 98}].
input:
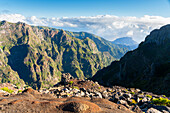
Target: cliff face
[
  {"x": 147, "y": 67},
  {"x": 39, "y": 55}
]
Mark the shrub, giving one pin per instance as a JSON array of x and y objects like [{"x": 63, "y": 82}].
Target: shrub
[
  {"x": 74, "y": 87},
  {"x": 133, "y": 101},
  {"x": 149, "y": 96},
  {"x": 19, "y": 91},
  {"x": 71, "y": 82},
  {"x": 161, "y": 101},
  {"x": 133, "y": 93},
  {"x": 7, "y": 90}
]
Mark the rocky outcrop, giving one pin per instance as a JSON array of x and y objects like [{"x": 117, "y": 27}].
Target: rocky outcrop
[
  {"x": 32, "y": 101},
  {"x": 83, "y": 96},
  {"x": 147, "y": 67},
  {"x": 39, "y": 55}
]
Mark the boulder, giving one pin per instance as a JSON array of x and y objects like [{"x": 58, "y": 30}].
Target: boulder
[
  {"x": 66, "y": 77},
  {"x": 161, "y": 108},
  {"x": 152, "y": 110}
]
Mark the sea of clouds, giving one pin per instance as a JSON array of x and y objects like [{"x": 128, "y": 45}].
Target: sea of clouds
[{"x": 109, "y": 27}]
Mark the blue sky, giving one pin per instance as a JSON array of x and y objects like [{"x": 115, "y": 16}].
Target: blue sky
[{"x": 75, "y": 8}]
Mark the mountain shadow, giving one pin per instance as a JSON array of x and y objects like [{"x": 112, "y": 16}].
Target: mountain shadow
[{"x": 16, "y": 61}]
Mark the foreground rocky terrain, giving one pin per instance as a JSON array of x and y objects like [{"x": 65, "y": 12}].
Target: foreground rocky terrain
[{"x": 84, "y": 96}]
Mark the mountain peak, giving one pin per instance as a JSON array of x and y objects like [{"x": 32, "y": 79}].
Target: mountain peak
[{"x": 128, "y": 41}]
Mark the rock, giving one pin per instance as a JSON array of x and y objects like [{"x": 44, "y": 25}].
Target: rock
[
  {"x": 82, "y": 94},
  {"x": 65, "y": 78},
  {"x": 115, "y": 98},
  {"x": 127, "y": 95},
  {"x": 119, "y": 93},
  {"x": 144, "y": 100},
  {"x": 122, "y": 102},
  {"x": 122, "y": 98},
  {"x": 75, "y": 107},
  {"x": 104, "y": 94},
  {"x": 80, "y": 107},
  {"x": 136, "y": 109},
  {"x": 138, "y": 90},
  {"x": 161, "y": 108},
  {"x": 65, "y": 90},
  {"x": 98, "y": 95},
  {"x": 152, "y": 110},
  {"x": 165, "y": 111},
  {"x": 83, "y": 89},
  {"x": 109, "y": 90}
]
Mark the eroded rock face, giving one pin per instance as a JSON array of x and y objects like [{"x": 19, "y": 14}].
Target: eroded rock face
[
  {"x": 146, "y": 68},
  {"x": 39, "y": 55}
]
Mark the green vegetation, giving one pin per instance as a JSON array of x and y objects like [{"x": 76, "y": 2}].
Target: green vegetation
[
  {"x": 74, "y": 87},
  {"x": 133, "y": 101},
  {"x": 149, "y": 96},
  {"x": 19, "y": 91},
  {"x": 7, "y": 90},
  {"x": 132, "y": 93},
  {"x": 71, "y": 83},
  {"x": 161, "y": 101}
]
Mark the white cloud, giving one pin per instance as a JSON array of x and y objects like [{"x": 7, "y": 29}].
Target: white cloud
[
  {"x": 109, "y": 27},
  {"x": 129, "y": 33}
]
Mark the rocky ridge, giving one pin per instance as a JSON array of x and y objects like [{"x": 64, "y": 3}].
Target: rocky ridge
[
  {"x": 37, "y": 55},
  {"x": 147, "y": 67}
]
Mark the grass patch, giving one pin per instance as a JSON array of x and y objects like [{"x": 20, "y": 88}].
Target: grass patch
[
  {"x": 71, "y": 82},
  {"x": 74, "y": 87},
  {"x": 7, "y": 90},
  {"x": 132, "y": 93},
  {"x": 161, "y": 101},
  {"x": 149, "y": 96},
  {"x": 19, "y": 91},
  {"x": 133, "y": 101}
]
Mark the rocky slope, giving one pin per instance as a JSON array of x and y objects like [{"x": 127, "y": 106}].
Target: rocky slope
[
  {"x": 39, "y": 55},
  {"x": 83, "y": 96},
  {"x": 147, "y": 67},
  {"x": 126, "y": 41}
]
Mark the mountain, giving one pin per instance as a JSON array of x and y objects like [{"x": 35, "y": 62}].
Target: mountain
[
  {"x": 126, "y": 41},
  {"x": 39, "y": 55},
  {"x": 147, "y": 67}
]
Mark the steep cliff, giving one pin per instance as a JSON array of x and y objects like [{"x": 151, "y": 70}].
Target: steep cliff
[
  {"x": 147, "y": 67},
  {"x": 39, "y": 55}
]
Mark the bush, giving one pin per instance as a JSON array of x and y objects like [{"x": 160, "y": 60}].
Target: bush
[
  {"x": 74, "y": 87},
  {"x": 149, "y": 96},
  {"x": 132, "y": 93},
  {"x": 161, "y": 101},
  {"x": 133, "y": 101},
  {"x": 71, "y": 82},
  {"x": 7, "y": 90},
  {"x": 19, "y": 91}
]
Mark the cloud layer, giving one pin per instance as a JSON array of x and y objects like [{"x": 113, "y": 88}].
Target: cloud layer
[{"x": 109, "y": 27}]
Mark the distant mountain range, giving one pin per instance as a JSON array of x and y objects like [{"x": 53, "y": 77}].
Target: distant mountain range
[
  {"x": 147, "y": 67},
  {"x": 38, "y": 55},
  {"x": 126, "y": 41}
]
